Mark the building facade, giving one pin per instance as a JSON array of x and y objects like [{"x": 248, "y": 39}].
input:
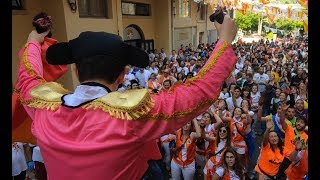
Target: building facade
[{"x": 148, "y": 24}]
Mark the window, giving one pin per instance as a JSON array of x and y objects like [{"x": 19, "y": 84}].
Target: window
[
  {"x": 184, "y": 8},
  {"x": 202, "y": 11},
  {"x": 93, "y": 8},
  {"x": 135, "y": 9},
  {"x": 17, "y": 5}
]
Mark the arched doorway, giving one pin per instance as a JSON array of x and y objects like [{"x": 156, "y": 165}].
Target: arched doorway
[{"x": 134, "y": 36}]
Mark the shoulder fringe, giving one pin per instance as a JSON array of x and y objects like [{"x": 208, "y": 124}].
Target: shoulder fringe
[
  {"x": 141, "y": 103},
  {"x": 47, "y": 96}
]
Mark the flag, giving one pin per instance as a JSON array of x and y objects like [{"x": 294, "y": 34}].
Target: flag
[
  {"x": 235, "y": 2},
  {"x": 289, "y": 11},
  {"x": 264, "y": 1},
  {"x": 305, "y": 26},
  {"x": 303, "y": 3},
  {"x": 21, "y": 122}
]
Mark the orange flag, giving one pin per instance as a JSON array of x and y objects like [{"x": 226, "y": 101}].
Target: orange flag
[
  {"x": 271, "y": 18},
  {"x": 235, "y": 2},
  {"x": 303, "y": 3},
  {"x": 212, "y": 5},
  {"x": 274, "y": 10},
  {"x": 245, "y": 7},
  {"x": 264, "y": 1},
  {"x": 21, "y": 122},
  {"x": 267, "y": 11},
  {"x": 289, "y": 11},
  {"x": 305, "y": 25},
  {"x": 300, "y": 15}
]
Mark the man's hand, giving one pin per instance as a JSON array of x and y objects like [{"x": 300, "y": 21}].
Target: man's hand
[
  {"x": 298, "y": 144},
  {"x": 227, "y": 30},
  {"x": 34, "y": 36}
]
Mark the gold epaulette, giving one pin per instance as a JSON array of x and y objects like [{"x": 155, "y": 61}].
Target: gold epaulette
[
  {"x": 47, "y": 96},
  {"x": 130, "y": 104}
]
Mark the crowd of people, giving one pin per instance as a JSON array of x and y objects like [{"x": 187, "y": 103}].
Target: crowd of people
[
  {"x": 265, "y": 96},
  {"x": 270, "y": 78}
]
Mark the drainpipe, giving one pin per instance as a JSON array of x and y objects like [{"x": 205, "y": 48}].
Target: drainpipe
[
  {"x": 206, "y": 13},
  {"x": 172, "y": 27}
]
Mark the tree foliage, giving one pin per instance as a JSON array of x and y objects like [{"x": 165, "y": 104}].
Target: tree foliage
[
  {"x": 247, "y": 22},
  {"x": 288, "y": 25}
]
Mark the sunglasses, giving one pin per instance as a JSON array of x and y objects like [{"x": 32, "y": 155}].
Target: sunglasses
[{"x": 223, "y": 130}]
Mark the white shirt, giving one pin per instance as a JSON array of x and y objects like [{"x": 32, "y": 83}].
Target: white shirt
[
  {"x": 143, "y": 78},
  {"x": 239, "y": 65},
  {"x": 36, "y": 155},
  {"x": 224, "y": 96},
  {"x": 155, "y": 70},
  {"x": 84, "y": 93},
  {"x": 19, "y": 162},
  {"x": 233, "y": 176},
  {"x": 128, "y": 78},
  {"x": 230, "y": 102},
  {"x": 186, "y": 70},
  {"x": 255, "y": 98},
  {"x": 261, "y": 78}
]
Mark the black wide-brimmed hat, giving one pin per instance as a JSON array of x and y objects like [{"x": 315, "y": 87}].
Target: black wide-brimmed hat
[{"x": 90, "y": 44}]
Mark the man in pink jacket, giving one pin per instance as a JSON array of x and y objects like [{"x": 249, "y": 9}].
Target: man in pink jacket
[{"x": 96, "y": 133}]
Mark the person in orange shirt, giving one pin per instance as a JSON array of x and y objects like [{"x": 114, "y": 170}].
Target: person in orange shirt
[
  {"x": 183, "y": 157},
  {"x": 298, "y": 169},
  {"x": 206, "y": 143},
  {"x": 223, "y": 141},
  {"x": 291, "y": 134},
  {"x": 153, "y": 83},
  {"x": 238, "y": 125},
  {"x": 166, "y": 75},
  {"x": 271, "y": 154}
]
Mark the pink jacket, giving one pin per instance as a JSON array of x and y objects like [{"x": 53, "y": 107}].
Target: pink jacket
[{"x": 84, "y": 143}]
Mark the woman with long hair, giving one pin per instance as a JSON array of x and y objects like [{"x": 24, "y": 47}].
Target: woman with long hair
[
  {"x": 231, "y": 168},
  {"x": 238, "y": 124},
  {"x": 271, "y": 154},
  {"x": 222, "y": 142},
  {"x": 183, "y": 156},
  {"x": 205, "y": 145}
]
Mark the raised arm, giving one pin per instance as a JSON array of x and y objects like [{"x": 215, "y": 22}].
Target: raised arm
[
  {"x": 184, "y": 102},
  {"x": 266, "y": 133},
  {"x": 294, "y": 154},
  {"x": 284, "y": 109},
  {"x": 30, "y": 73},
  {"x": 215, "y": 113},
  {"x": 196, "y": 134}
]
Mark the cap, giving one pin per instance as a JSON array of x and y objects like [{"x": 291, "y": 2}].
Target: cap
[{"x": 90, "y": 44}]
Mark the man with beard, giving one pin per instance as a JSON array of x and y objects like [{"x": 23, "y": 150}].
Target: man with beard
[{"x": 291, "y": 135}]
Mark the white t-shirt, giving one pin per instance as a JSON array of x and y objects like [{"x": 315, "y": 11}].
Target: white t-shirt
[
  {"x": 230, "y": 102},
  {"x": 36, "y": 155},
  {"x": 19, "y": 162},
  {"x": 233, "y": 176},
  {"x": 224, "y": 96},
  {"x": 128, "y": 78}
]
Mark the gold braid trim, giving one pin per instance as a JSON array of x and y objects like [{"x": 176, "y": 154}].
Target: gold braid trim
[
  {"x": 204, "y": 71},
  {"x": 129, "y": 105},
  {"x": 23, "y": 101},
  {"x": 191, "y": 111},
  {"x": 28, "y": 67},
  {"x": 47, "y": 96}
]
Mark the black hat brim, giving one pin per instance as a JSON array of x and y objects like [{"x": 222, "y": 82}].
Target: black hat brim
[{"x": 60, "y": 54}]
